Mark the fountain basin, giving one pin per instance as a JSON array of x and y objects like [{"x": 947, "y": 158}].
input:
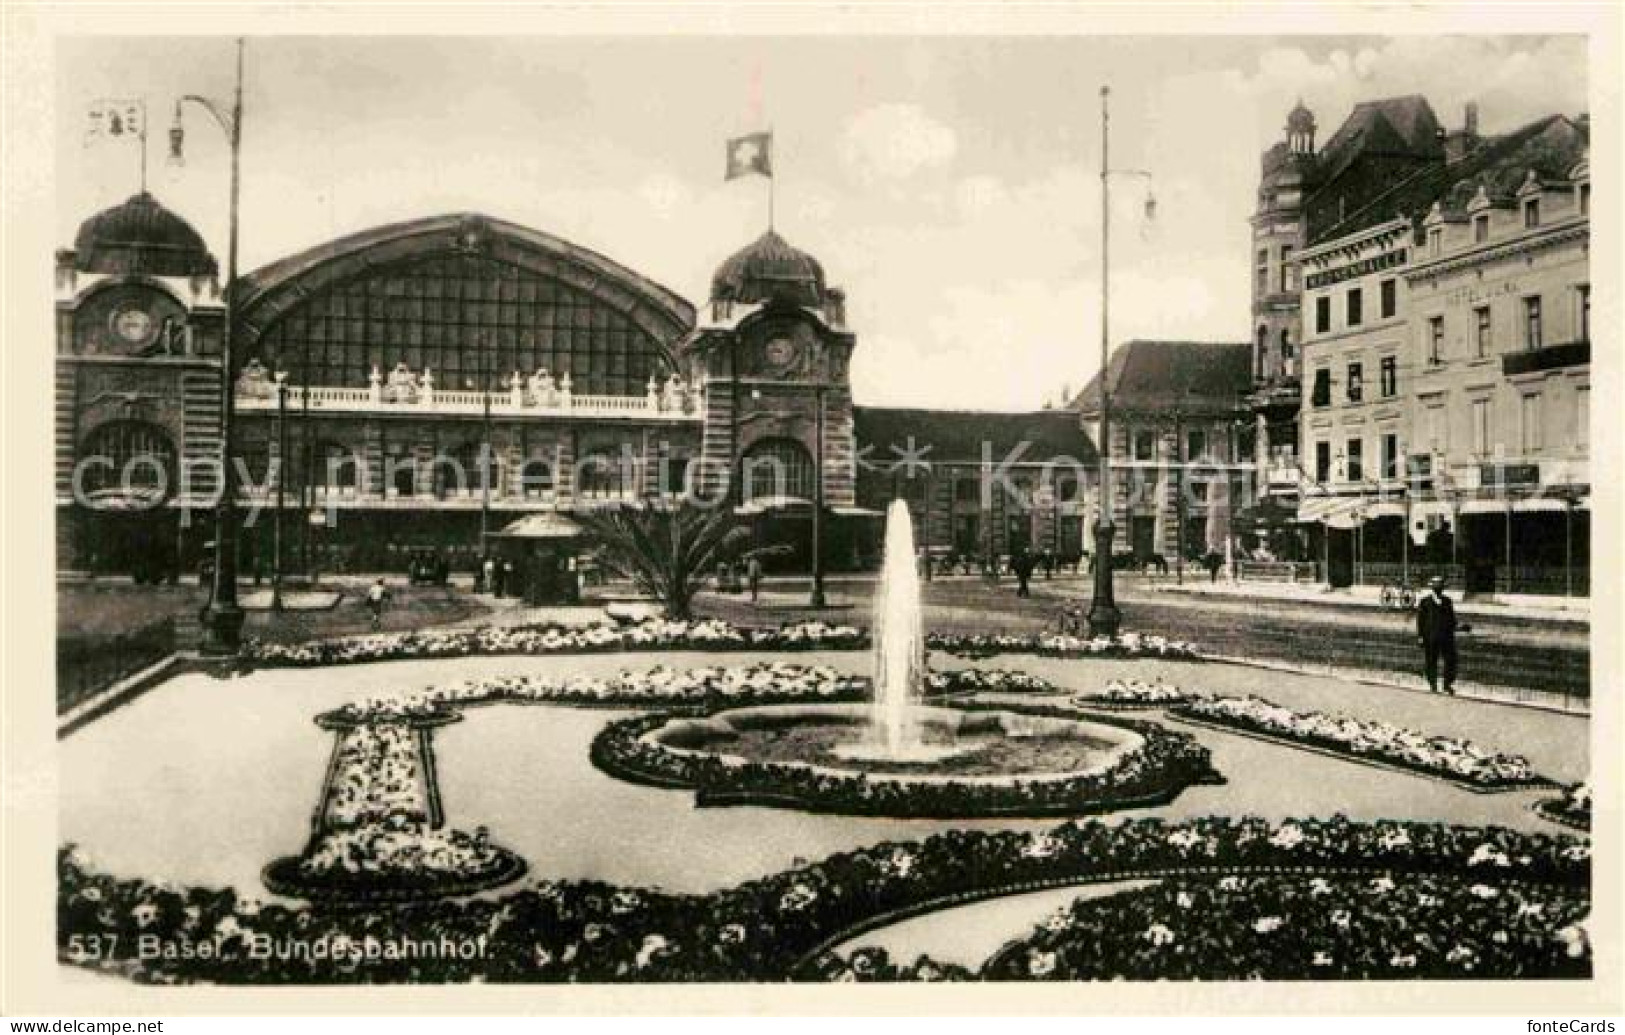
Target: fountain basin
[
  {"x": 965, "y": 762},
  {"x": 954, "y": 744}
]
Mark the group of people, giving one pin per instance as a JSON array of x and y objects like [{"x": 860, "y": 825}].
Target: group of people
[{"x": 498, "y": 577}]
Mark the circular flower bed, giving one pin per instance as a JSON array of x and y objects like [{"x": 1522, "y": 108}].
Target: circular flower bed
[
  {"x": 765, "y": 929},
  {"x": 1573, "y": 809},
  {"x": 1134, "y": 694},
  {"x": 1161, "y": 766},
  {"x": 1447, "y": 758}
]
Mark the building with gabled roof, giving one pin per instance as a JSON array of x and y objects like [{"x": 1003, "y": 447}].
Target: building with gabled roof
[{"x": 1180, "y": 447}]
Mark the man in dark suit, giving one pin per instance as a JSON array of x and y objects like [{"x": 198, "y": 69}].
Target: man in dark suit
[{"x": 1436, "y": 632}]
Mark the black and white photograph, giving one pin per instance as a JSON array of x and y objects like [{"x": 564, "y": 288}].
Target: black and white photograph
[{"x": 663, "y": 505}]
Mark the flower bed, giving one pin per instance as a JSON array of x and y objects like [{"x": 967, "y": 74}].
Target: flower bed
[
  {"x": 393, "y": 860},
  {"x": 1573, "y": 809},
  {"x": 655, "y": 634},
  {"x": 762, "y": 930},
  {"x": 1287, "y": 927},
  {"x": 1135, "y": 694},
  {"x": 1061, "y": 645},
  {"x": 986, "y": 681},
  {"x": 1448, "y": 758},
  {"x": 1153, "y": 774},
  {"x": 719, "y": 686},
  {"x": 660, "y": 634}
]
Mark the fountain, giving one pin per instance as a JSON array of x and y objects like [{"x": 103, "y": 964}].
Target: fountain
[
  {"x": 898, "y": 754},
  {"x": 898, "y": 634}
]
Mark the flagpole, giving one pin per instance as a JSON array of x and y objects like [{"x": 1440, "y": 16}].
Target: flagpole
[
  {"x": 143, "y": 145},
  {"x": 772, "y": 180}
]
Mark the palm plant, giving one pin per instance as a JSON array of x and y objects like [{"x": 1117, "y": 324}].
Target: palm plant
[{"x": 666, "y": 549}]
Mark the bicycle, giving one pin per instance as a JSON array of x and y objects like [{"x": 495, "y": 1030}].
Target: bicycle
[{"x": 1398, "y": 596}]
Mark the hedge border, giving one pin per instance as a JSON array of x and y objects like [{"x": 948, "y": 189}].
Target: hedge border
[
  {"x": 603, "y": 758},
  {"x": 1546, "y": 809}
]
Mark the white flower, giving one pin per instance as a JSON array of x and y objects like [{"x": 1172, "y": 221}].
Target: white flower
[
  {"x": 1483, "y": 891},
  {"x": 145, "y": 914},
  {"x": 1184, "y": 900},
  {"x": 1405, "y": 962},
  {"x": 653, "y": 945},
  {"x": 1289, "y": 836},
  {"x": 1576, "y": 938},
  {"x": 1267, "y": 924},
  {"x": 1322, "y": 958},
  {"x": 1040, "y": 964},
  {"x": 1159, "y": 934}
]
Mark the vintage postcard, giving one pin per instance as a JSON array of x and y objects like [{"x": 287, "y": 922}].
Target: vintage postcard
[{"x": 670, "y": 503}]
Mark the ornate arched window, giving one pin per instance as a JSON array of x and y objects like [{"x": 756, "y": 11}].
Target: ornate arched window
[
  {"x": 536, "y": 477},
  {"x": 127, "y": 460},
  {"x": 338, "y": 468},
  {"x": 602, "y": 474},
  {"x": 779, "y": 467},
  {"x": 464, "y": 471}
]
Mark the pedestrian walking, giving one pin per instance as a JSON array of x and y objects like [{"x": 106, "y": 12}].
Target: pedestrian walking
[
  {"x": 1022, "y": 565},
  {"x": 1436, "y": 633},
  {"x": 1213, "y": 563},
  {"x": 753, "y": 577},
  {"x": 488, "y": 575},
  {"x": 376, "y": 595},
  {"x": 505, "y": 581}
]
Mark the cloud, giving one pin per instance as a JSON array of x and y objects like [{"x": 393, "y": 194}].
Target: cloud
[{"x": 893, "y": 142}]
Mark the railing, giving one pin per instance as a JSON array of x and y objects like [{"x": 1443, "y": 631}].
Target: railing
[
  {"x": 261, "y": 398},
  {"x": 87, "y": 665},
  {"x": 1278, "y": 571}
]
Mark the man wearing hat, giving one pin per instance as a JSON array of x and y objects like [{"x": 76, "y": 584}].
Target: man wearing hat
[{"x": 1436, "y": 632}]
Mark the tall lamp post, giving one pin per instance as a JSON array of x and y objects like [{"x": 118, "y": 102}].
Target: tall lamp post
[
  {"x": 1104, "y": 617},
  {"x": 222, "y": 616},
  {"x": 817, "y": 598},
  {"x": 281, "y": 477}
]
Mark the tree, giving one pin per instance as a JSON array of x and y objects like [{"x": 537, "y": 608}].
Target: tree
[{"x": 665, "y": 548}]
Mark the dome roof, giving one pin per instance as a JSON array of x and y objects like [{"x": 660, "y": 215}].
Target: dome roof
[
  {"x": 769, "y": 269},
  {"x": 1300, "y": 118},
  {"x": 141, "y": 236}
]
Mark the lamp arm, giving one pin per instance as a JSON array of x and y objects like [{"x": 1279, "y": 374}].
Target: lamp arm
[{"x": 221, "y": 116}]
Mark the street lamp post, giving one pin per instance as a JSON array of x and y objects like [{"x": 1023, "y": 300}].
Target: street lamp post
[
  {"x": 223, "y": 617},
  {"x": 281, "y": 478},
  {"x": 1104, "y": 617},
  {"x": 817, "y": 598}
]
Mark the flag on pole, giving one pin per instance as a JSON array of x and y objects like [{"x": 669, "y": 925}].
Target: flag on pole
[
  {"x": 751, "y": 153},
  {"x": 117, "y": 120}
]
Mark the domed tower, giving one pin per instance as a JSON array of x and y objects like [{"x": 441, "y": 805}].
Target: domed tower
[
  {"x": 1300, "y": 130},
  {"x": 1289, "y": 174},
  {"x": 139, "y": 321},
  {"x": 774, "y": 350}
]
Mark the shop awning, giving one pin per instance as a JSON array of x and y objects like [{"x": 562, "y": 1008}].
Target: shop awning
[
  {"x": 542, "y": 526},
  {"x": 763, "y": 504},
  {"x": 1542, "y": 505},
  {"x": 1331, "y": 511},
  {"x": 1384, "y": 509}
]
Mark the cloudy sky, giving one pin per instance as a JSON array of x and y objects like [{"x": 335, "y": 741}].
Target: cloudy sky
[{"x": 950, "y": 184}]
